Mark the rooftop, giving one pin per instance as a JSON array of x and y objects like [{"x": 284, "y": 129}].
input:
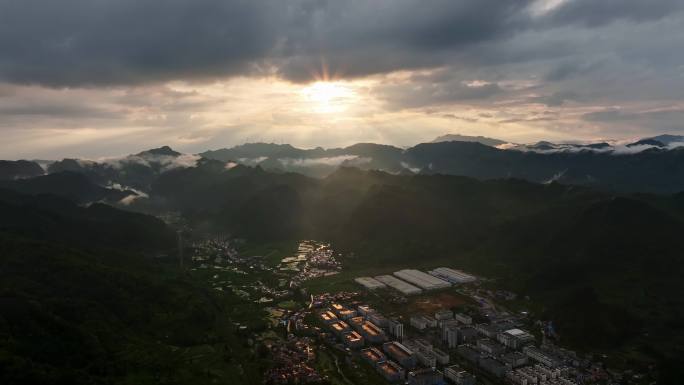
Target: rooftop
[
  {"x": 370, "y": 328},
  {"x": 398, "y": 349},
  {"x": 373, "y": 354},
  {"x": 339, "y": 326},
  {"x": 353, "y": 337},
  {"x": 390, "y": 367}
]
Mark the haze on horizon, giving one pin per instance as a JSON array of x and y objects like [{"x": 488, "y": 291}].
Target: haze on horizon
[{"x": 103, "y": 78}]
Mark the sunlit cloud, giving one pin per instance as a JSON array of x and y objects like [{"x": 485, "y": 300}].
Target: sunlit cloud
[{"x": 333, "y": 73}]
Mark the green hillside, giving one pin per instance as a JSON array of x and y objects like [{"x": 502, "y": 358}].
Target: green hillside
[{"x": 86, "y": 313}]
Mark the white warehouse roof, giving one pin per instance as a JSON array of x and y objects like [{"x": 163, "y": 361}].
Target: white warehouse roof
[
  {"x": 398, "y": 284},
  {"x": 451, "y": 275},
  {"x": 370, "y": 283},
  {"x": 420, "y": 279}
]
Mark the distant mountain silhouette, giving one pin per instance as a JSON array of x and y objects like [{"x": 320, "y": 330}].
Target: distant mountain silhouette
[
  {"x": 70, "y": 185},
  {"x": 18, "y": 169},
  {"x": 465, "y": 138},
  {"x": 653, "y": 165},
  {"x": 164, "y": 151},
  {"x": 136, "y": 171},
  {"x": 600, "y": 165}
]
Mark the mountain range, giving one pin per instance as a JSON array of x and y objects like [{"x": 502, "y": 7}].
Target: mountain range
[
  {"x": 91, "y": 295},
  {"x": 648, "y": 165},
  {"x": 652, "y": 164},
  {"x": 600, "y": 256}
]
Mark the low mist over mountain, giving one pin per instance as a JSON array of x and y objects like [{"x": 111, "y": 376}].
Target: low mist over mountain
[
  {"x": 643, "y": 166},
  {"x": 647, "y": 165},
  {"x": 465, "y": 138},
  {"x": 135, "y": 171}
]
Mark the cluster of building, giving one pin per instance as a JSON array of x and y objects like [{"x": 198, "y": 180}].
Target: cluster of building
[
  {"x": 506, "y": 352},
  {"x": 313, "y": 260},
  {"x": 379, "y": 340},
  {"x": 293, "y": 363},
  {"x": 451, "y": 275},
  {"x": 354, "y": 327},
  {"x": 398, "y": 363},
  {"x": 500, "y": 349},
  {"x": 539, "y": 375},
  {"x": 412, "y": 281}
]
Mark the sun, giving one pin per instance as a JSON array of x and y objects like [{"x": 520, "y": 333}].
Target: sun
[{"x": 328, "y": 97}]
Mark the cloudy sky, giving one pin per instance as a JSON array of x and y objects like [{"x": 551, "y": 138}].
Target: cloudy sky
[{"x": 95, "y": 78}]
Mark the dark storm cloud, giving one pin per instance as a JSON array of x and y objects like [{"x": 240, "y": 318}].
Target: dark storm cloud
[
  {"x": 116, "y": 56},
  {"x": 58, "y": 110},
  {"x": 111, "y": 42},
  {"x": 84, "y": 42},
  {"x": 610, "y": 115},
  {"x": 568, "y": 69},
  {"x": 105, "y": 42},
  {"x": 654, "y": 122},
  {"x": 599, "y": 12},
  {"x": 360, "y": 37},
  {"x": 437, "y": 87},
  {"x": 557, "y": 98},
  {"x": 618, "y": 115}
]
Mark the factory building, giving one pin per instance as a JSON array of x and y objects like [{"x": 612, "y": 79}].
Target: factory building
[
  {"x": 422, "y": 280},
  {"x": 391, "y": 371},
  {"x": 422, "y": 322},
  {"x": 447, "y": 324},
  {"x": 395, "y": 328},
  {"x": 443, "y": 325},
  {"x": 441, "y": 356},
  {"x": 346, "y": 314},
  {"x": 494, "y": 367},
  {"x": 459, "y": 376},
  {"x": 419, "y": 322},
  {"x": 373, "y": 356},
  {"x": 451, "y": 275},
  {"x": 444, "y": 314},
  {"x": 342, "y": 312},
  {"x": 377, "y": 319},
  {"x": 515, "y": 359},
  {"x": 463, "y": 318},
  {"x": 469, "y": 353},
  {"x": 450, "y": 336},
  {"x": 372, "y": 333},
  {"x": 397, "y": 284},
  {"x": 538, "y": 374},
  {"x": 518, "y": 379},
  {"x": 422, "y": 343},
  {"x": 431, "y": 322},
  {"x": 425, "y": 377},
  {"x": 487, "y": 330},
  {"x": 467, "y": 335},
  {"x": 490, "y": 347},
  {"x": 515, "y": 338},
  {"x": 537, "y": 355},
  {"x": 328, "y": 317},
  {"x": 356, "y": 322},
  {"x": 550, "y": 374},
  {"x": 339, "y": 328},
  {"x": 363, "y": 310},
  {"x": 423, "y": 351},
  {"x": 426, "y": 358},
  {"x": 370, "y": 283},
  {"x": 353, "y": 340},
  {"x": 400, "y": 353}
]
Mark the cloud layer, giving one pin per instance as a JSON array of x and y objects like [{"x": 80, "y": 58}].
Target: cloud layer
[{"x": 518, "y": 69}]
